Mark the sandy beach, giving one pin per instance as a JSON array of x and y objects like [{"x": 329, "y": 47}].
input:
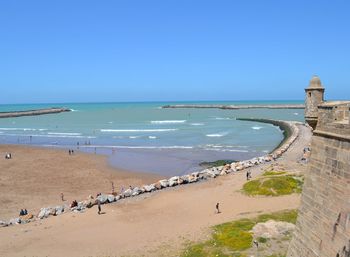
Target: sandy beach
[
  {"x": 35, "y": 177},
  {"x": 156, "y": 224}
]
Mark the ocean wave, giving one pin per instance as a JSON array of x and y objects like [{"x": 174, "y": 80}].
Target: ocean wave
[
  {"x": 137, "y": 147},
  {"x": 137, "y": 130},
  {"x": 22, "y": 129},
  {"x": 73, "y": 110},
  {"x": 222, "y": 118},
  {"x": 49, "y": 136},
  {"x": 296, "y": 113},
  {"x": 226, "y": 150},
  {"x": 64, "y": 134},
  {"x": 257, "y": 127},
  {"x": 131, "y": 137},
  {"x": 167, "y": 121},
  {"x": 197, "y": 124},
  {"x": 216, "y": 135},
  {"x": 152, "y": 137},
  {"x": 226, "y": 146}
]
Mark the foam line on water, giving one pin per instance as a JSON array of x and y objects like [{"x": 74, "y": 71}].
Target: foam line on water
[
  {"x": 257, "y": 128},
  {"x": 64, "y": 133},
  {"x": 136, "y": 130},
  {"x": 22, "y": 129},
  {"x": 197, "y": 124},
  {"x": 167, "y": 121},
  {"x": 49, "y": 136}
]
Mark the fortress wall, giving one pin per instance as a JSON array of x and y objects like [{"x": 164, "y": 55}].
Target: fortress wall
[{"x": 323, "y": 225}]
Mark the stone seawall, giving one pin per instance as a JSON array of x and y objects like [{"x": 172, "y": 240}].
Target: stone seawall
[
  {"x": 237, "y": 107},
  {"x": 32, "y": 112}
]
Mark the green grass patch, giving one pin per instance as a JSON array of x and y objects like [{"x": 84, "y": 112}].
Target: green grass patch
[
  {"x": 273, "y": 173},
  {"x": 233, "y": 238},
  {"x": 273, "y": 186},
  {"x": 216, "y": 163}
]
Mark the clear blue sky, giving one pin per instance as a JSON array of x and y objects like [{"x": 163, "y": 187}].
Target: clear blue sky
[{"x": 82, "y": 51}]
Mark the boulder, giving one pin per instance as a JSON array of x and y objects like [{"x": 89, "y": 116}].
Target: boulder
[
  {"x": 149, "y": 188},
  {"x": 59, "y": 209},
  {"x": 46, "y": 212},
  {"x": 164, "y": 183},
  {"x": 127, "y": 193},
  {"x": 110, "y": 198},
  {"x": 173, "y": 181},
  {"x": 185, "y": 179},
  {"x": 3, "y": 224},
  {"x": 89, "y": 202},
  {"x": 273, "y": 229},
  {"x": 158, "y": 186},
  {"x": 136, "y": 191},
  {"x": 102, "y": 198},
  {"x": 192, "y": 178},
  {"x": 15, "y": 221}
]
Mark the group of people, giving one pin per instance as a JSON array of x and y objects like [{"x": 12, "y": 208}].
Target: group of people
[
  {"x": 8, "y": 156},
  {"x": 70, "y": 152},
  {"x": 23, "y": 212}
]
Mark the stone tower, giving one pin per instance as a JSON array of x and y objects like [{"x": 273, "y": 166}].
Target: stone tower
[
  {"x": 323, "y": 224},
  {"x": 314, "y": 97}
]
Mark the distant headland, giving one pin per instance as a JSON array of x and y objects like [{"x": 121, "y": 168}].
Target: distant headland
[
  {"x": 52, "y": 110},
  {"x": 237, "y": 107}
]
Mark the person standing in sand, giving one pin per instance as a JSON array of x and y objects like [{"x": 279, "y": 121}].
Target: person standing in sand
[
  {"x": 217, "y": 208},
  {"x": 99, "y": 207}
]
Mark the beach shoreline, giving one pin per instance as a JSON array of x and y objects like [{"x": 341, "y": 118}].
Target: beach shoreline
[{"x": 167, "y": 214}]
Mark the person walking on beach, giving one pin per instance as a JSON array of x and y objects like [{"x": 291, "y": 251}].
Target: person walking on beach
[
  {"x": 62, "y": 197},
  {"x": 99, "y": 207},
  {"x": 217, "y": 208},
  {"x": 249, "y": 175}
]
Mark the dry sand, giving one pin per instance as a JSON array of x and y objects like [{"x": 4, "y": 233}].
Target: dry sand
[
  {"x": 35, "y": 178},
  {"x": 154, "y": 224}
]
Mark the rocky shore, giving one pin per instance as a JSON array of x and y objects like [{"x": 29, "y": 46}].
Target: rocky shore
[
  {"x": 211, "y": 173},
  {"x": 33, "y": 112},
  {"x": 237, "y": 107}
]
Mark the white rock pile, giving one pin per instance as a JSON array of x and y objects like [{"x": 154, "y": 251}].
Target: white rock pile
[{"x": 165, "y": 183}]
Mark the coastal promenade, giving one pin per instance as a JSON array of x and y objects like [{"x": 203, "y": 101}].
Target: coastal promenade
[
  {"x": 237, "y": 107},
  {"x": 33, "y": 112}
]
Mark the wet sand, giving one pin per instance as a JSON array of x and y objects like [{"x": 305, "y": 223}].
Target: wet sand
[{"x": 155, "y": 224}]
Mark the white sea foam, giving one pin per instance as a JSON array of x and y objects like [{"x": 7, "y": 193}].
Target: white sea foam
[
  {"x": 152, "y": 137},
  {"x": 265, "y": 151},
  {"x": 296, "y": 113},
  {"x": 137, "y": 130},
  {"x": 197, "y": 124},
  {"x": 222, "y": 118},
  {"x": 49, "y": 136},
  {"x": 226, "y": 150},
  {"x": 257, "y": 127},
  {"x": 216, "y": 135},
  {"x": 64, "y": 134},
  {"x": 226, "y": 146},
  {"x": 132, "y": 137},
  {"x": 22, "y": 129},
  {"x": 138, "y": 147},
  {"x": 167, "y": 121},
  {"x": 73, "y": 110}
]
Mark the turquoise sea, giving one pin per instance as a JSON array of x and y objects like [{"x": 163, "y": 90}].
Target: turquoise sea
[{"x": 145, "y": 137}]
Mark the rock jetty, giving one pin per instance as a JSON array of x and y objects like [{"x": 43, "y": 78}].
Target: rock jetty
[
  {"x": 193, "y": 177},
  {"x": 237, "y": 107},
  {"x": 33, "y": 112}
]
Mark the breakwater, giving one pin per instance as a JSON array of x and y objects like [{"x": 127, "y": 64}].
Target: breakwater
[
  {"x": 14, "y": 114},
  {"x": 237, "y": 107},
  {"x": 209, "y": 173}
]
